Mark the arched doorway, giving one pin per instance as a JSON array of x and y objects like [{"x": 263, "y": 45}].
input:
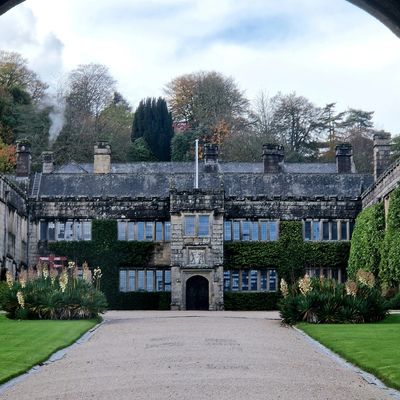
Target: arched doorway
[{"x": 197, "y": 293}]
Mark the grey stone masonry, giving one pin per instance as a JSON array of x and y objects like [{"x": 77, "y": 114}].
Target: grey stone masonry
[
  {"x": 197, "y": 255},
  {"x": 381, "y": 153},
  {"x": 384, "y": 185}
]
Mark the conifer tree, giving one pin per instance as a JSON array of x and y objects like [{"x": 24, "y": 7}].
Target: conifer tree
[{"x": 153, "y": 122}]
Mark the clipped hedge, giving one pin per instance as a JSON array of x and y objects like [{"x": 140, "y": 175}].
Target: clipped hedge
[
  {"x": 143, "y": 301},
  {"x": 242, "y": 301},
  {"x": 290, "y": 254},
  {"x": 367, "y": 240}
]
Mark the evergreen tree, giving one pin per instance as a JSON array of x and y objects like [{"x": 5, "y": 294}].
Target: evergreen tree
[{"x": 153, "y": 122}]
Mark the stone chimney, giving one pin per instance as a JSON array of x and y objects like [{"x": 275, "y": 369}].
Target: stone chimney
[
  {"x": 273, "y": 155},
  {"x": 102, "y": 158},
  {"x": 344, "y": 158},
  {"x": 381, "y": 153},
  {"x": 47, "y": 162},
  {"x": 211, "y": 157},
  {"x": 24, "y": 159}
]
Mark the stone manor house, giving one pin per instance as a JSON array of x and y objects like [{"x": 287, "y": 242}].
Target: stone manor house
[{"x": 156, "y": 202}]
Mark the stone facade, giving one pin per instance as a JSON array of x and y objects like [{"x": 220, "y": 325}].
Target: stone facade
[
  {"x": 192, "y": 255},
  {"x": 147, "y": 194},
  {"x": 13, "y": 227}
]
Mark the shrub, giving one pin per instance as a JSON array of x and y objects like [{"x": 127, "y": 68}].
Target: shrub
[
  {"x": 45, "y": 294},
  {"x": 322, "y": 300},
  {"x": 394, "y": 302},
  {"x": 143, "y": 301},
  {"x": 241, "y": 301},
  {"x": 3, "y": 290}
]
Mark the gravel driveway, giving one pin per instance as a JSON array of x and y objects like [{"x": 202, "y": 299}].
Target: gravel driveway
[{"x": 194, "y": 355}]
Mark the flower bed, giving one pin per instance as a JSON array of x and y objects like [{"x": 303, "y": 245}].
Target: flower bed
[
  {"x": 319, "y": 300},
  {"x": 44, "y": 293}
]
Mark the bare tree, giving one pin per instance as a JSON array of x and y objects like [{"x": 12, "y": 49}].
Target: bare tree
[{"x": 90, "y": 89}]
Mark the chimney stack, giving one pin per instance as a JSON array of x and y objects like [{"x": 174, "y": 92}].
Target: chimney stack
[
  {"x": 102, "y": 158},
  {"x": 344, "y": 158},
  {"x": 211, "y": 157},
  {"x": 47, "y": 162},
  {"x": 24, "y": 159},
  {"x": 273, "y": 155},
  {"x": 381, "y": 153}
]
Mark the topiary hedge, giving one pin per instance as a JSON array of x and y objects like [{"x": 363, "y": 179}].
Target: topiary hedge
[{"x": 242, "y": 301}]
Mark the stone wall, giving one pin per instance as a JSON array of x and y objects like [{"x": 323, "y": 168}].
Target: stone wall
[
  {"x": 384, "y": 185},
  {"x": 13, "y": 226},
  {"x": 193, "y": 255},
  {"x": 292, "y": 208}
]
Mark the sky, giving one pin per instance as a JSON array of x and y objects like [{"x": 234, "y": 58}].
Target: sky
[{"x": 327, "y": 51}]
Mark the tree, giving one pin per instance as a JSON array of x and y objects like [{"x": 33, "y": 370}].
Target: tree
[
  {"x": 22, "y": 112},
  {"x": 7, "y": 158},
  {"x": 206, "y": 100},
  {"x": 263, "y": 118},
  {"x": 89, "y": 91},
  {"x": 296, "y": 122},
  {"x": 139, "y": 151},
  {"x": 14, "y": 72},
  {"x": 114, "y": 125},
  {"x": 153, "y": 122},
  {"x": 331, "y": 124},
  {"x": 358, "y": 130},
  {"x": 358, "y": 120}
]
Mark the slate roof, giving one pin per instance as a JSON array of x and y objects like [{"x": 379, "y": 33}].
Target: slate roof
[
  {"x": 184, "y": 167},
  {"x": 237, "y": 179}
]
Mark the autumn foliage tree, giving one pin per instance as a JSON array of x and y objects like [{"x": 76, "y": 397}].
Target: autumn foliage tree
[
  {"x": 208, "y": 102},
  {"x": 7, "y": 158}
]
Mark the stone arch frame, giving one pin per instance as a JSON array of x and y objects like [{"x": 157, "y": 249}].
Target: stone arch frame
[
  {"x": 188, "y": 274},
  {"x": 386, "y": 11}
]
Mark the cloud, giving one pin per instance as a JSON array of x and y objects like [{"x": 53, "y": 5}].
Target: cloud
[{"x": 327, "y": 51}]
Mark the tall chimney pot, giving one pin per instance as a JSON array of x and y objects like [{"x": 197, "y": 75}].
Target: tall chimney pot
[
  {"x": 273, "y": 155},
  {"x": 47, "y": 162},
  {"x": 24, "y": 159},
  {"x": 381, "y": 153},
  {"x": 102, "y": 158},
  {"x": 211, "y": 153},
  {"x": 344, "y": 158}
]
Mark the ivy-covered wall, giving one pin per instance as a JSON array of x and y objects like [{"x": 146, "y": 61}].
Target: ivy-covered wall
[
  {"x": 366, "y": 243},
  {"x": 375, "y": 247},
  {"x": 106, "y": 252},
  {"x": 291, "y": 255},
  {"x": 389, "y": 267}
]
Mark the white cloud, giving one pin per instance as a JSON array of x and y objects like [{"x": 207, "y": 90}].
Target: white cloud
[{"x": 326, "y": 51}]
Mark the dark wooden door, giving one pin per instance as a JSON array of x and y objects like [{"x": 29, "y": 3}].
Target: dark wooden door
[{"x": 197, "y": 293}]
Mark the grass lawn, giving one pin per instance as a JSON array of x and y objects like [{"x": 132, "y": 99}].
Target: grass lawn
[
  {"x": 373, "y": 347},
  {"x": 24, "y": 344}
]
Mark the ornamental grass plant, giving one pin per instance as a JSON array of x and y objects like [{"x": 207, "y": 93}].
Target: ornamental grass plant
[
  {"x": 321, "y": 300},
  {"x": 48, "y": 294}
]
